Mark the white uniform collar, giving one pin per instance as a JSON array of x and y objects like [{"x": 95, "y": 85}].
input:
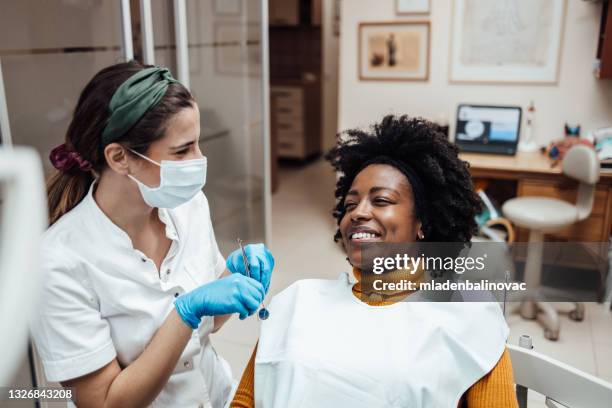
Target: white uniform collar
[{"x": 103, "y": 221}]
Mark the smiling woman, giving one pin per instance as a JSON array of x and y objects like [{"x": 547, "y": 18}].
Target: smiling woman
[
  {"x": 400, "y": 182},
  {"x": 419, "y": 167},
  {"x": 382, "y": 188}
]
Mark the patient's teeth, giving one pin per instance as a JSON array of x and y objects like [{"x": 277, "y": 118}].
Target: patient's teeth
[{"x": 363, "y": 235}]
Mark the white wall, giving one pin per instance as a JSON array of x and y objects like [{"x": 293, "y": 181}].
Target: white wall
[{"x": 577, "y": 97}]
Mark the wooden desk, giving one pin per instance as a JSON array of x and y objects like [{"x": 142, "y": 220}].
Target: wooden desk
[{"x": 534, "y": 176}]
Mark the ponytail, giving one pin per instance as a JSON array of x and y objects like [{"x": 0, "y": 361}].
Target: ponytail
[{"x": 65, "y": 191}]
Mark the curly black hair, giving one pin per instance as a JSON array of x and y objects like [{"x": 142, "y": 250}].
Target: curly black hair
[{"x": 418, "y": 145}]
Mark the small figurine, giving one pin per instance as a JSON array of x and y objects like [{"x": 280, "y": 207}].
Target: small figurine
[
  {"x": 572, "y": 130},
  {"x": 528, "y": 143}
]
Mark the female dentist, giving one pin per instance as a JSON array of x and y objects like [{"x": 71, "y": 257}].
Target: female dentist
[{"x": 135, "y": 282}]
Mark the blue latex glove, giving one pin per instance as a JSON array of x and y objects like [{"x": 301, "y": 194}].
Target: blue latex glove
[
  {"x": 260, "y": 260},
  {"x": 232, "y": 294}
]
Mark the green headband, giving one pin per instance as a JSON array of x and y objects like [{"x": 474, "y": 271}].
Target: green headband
[{"x": 134, "y": 98}]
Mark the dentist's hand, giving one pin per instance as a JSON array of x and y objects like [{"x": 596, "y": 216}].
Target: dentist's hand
[
  {"x": 233, "y": 294},
  {"x": 260, "y": 260}
]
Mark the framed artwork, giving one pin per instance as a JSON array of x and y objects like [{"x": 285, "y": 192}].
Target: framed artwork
[
  {"x": 395, "y": 51},
  {"x": 227, "y": 7},
  {"x": 506, "y": 41},
  {"x": 412, "y": 6}
]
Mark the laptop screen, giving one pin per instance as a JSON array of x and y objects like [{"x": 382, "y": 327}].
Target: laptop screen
[{"x": 488, "y": 129}]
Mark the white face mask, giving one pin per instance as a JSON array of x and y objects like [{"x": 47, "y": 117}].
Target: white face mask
[{"x": 179, "y": 182}]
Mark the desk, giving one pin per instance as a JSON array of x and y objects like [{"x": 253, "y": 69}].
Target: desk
[{"x": 534, "y": 176}]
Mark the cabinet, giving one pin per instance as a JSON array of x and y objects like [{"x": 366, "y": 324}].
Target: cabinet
[
  {"x": 315, "y": 12},
  {"x": 295, "y": 12},
  {"x": 284, "y": 12},
  {"x": 296, "y": 137},
  {"x": 287, "y": 122},
  {"x": 604, "y": 48}
]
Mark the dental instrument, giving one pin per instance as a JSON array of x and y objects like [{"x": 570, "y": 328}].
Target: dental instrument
[{"x": 263, "y": 313}]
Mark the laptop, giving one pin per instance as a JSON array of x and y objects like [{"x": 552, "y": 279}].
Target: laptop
[{"x": 488, "y": 129}]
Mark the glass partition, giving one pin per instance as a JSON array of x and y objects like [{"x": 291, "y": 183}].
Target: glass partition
[
  {"x": 162, "y": 15},
  {"x": 227, "y": 80},
  {"x": 45, "y": 68},
  {"x": 49, "y": 51}
]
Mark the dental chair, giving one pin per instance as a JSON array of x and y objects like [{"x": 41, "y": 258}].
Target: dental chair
[
  {"x": 562, "y": 385},
  {"x": 544, "y": 214}
]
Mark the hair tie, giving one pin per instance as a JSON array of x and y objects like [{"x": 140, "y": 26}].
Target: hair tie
[
  {"x": 65, "y": 160},
  {"x": 133, "y": 98}
]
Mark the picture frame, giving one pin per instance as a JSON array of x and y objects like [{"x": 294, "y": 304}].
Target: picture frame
[
  {"x": 394, "y": 51},
  {"x": 407, "y": 7},
  {"x": 489, "y": 53},
  {"x": 227, "y": 7}
]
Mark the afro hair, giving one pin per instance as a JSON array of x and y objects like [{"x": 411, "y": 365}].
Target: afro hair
[{"x": 420, "y": 145}]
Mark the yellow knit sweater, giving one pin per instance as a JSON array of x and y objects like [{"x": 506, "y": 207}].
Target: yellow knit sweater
[{"x": 494, "y": 390}]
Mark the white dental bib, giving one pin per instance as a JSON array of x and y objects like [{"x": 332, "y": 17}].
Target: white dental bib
[{"x": 323, "y": 347}]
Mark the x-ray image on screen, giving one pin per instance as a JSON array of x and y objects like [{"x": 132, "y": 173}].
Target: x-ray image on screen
[{"x": 493, "y": 129}]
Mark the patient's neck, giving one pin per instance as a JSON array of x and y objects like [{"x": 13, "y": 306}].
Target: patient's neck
[{"x": 364, "y": 289}]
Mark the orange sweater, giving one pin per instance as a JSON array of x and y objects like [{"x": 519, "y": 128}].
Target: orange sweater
[{"x": 495, "y": 389}]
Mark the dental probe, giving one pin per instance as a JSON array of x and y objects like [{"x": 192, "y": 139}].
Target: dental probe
[{"x": 263, "y": 313}]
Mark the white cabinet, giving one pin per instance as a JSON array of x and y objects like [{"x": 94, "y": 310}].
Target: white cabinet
[
  {"x": 288, "y": 121},
  {"x": 296, "y": 120}
]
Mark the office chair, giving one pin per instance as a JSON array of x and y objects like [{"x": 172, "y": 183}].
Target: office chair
[
  {"x": 562, "y": 385},
  {"x": 543, "y": 214}
]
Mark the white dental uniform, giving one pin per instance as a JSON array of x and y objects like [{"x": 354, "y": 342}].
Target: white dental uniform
[
  {"x": 322, "y": 347},
  {"x": 103, "y": 299}
]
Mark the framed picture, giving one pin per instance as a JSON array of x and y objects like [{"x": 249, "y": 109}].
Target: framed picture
[
  {"x": 506, "y": 41},
  {"x": 395, "y": 51},
  {"x": 227, "y": 7},
  {"x": 412, "y": 6}
]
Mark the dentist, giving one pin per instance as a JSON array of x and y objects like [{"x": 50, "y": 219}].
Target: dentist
[{"x": 135, "y": 282}]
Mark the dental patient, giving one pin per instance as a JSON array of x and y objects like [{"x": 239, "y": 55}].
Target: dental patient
[{"x": 328, "y": 343}]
